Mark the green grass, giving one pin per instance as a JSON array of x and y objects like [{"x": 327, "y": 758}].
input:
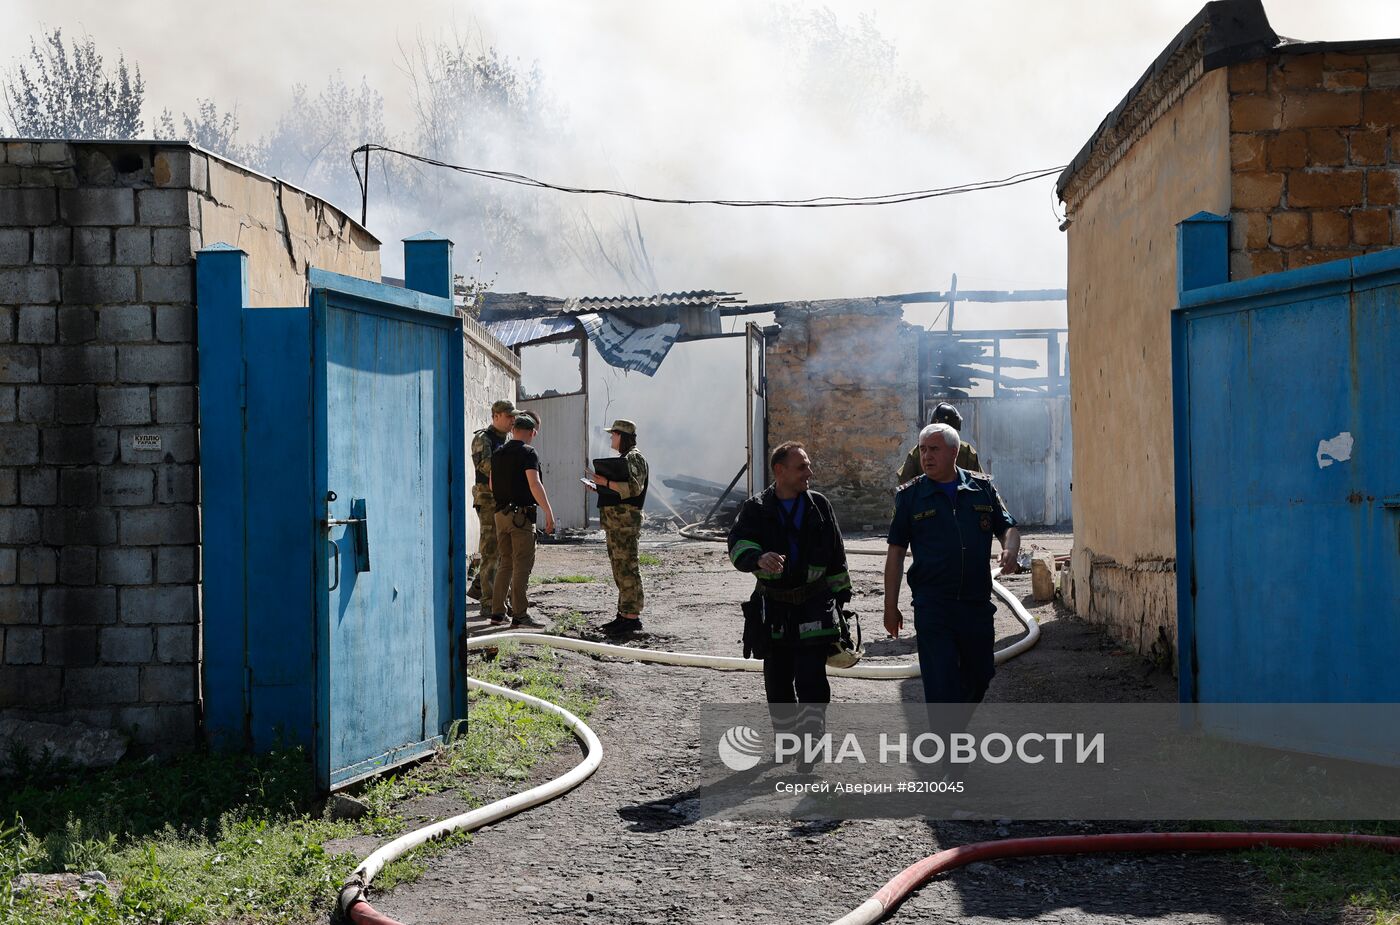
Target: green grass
[
  {"x": 648, "y": 558},
  {"x": 562, "y": 579},
  {"x": 571, "y": 622},
  {"x": 216, "y": 837}
]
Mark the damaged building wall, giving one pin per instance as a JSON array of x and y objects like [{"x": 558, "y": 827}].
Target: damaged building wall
[
  {"x": 1164, "y": 162},
  {"x": 99, "y": 492},
  {"x": 841, "y": 372},
  {"x": 491, "y": 372}
]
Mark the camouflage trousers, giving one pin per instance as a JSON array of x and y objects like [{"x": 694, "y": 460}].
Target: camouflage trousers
[
  {"x": 485, "y": 580},
  {"x": 622, "y": 525}
]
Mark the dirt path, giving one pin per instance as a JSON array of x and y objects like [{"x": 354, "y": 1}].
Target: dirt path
[{"x": 616, "y": 850}]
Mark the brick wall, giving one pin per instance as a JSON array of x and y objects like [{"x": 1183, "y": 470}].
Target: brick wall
[
  {"x": 1314, "y": 158},
  {"x": 99, "y": 565},
  {"x": 491, "y": 372},
  {"x": 98, "y": 557},
  {"x": 843, "y": 379}
]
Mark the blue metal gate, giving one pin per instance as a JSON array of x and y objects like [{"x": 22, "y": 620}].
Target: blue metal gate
[
  {"x": 333, "y": 513},
  {"x": 1287, "y": 409}
]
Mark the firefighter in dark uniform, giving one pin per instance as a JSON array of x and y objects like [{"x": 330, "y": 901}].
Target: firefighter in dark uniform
[
  {"x": 948, "y": 516},
  {"x": 967, "y": 453},
  {"x": 484, "y": 443},
  {"x": 789, "y": 539}
]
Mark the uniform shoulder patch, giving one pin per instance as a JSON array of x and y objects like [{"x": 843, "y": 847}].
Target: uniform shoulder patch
[
  {"x": 984, "y": 476},
  {"x": 908, "y": 484}
]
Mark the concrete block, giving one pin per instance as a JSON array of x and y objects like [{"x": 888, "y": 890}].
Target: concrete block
[
  {"x": 79, "y": 527},
  {"x": 20, "y": 526},
  {"x": 173, "y": 524},
  {"x": 133, "y": 247},
  {"x": 38, "y": 565},
  {"x": 122, "y": 486},
  {"x": 9, "y": 489},
  {"x": 167, "y": 284},
  {"x": 176, "y": 484},
  {"x": 95, "y": 168},
  {"x": 37, "y": 324},
  {"x": 77, "y": 487},
  {"x": 14, "y": 247},
  {"x": 175, "y": 323},
  {"x": 30, "y": 686},
  {"x": 124, "y": 323},
  {"x": 126, "y": 645},
  {"x": 78, "y": 365},
  {"x": 19, "y": 364},
  {"x": 37, "y": 403},
  {"x": 77, "y": 565},
  {"x": 53, "y": 245},
  {"x": 31, "y": 207},
  {"x": 157, "y": 605},
  {"x": 175, "y": 643},
  {"x": 173, "y": 247},
  {"x": 98, "y": 285},
  {"x": 55, "y": 152},
  {"x": 24, "y": 646},
  {"x": 163, "y": 364},
  {"x": 79, "y": 446},
  {"x": 21, "y": 152},
  {"x": 165, "y": 727},
  {"x": 9, "y": 407},
  {"x": 176, "y": 564},
  {"x": 168, "y": 684},
  {"x": 76, "y": 325},
  {"x": 92, "y": 245},
  {"x": 81, "y": 744},
  {"x": 70, "y": 646},
  {"x": 19, "y": 606},
  {"x": 38, "y": 487},
  {"x": 97, "y": 206},
  {"x": 107, "y": 684},
  {"x": 77, "y": 404},
  {"x": 124, "y": 405},
  {"x": 9, "y": 566},
  {"x": 121, "y": 565},
  {"x": 7, "y": 324},
  {"x": 19, "y": 445},
  {"x": 29, "y": 285},
  {"x": 79, "y": 606},
  {"x": 175, "y": 404},
  {"x": 166, "y": 207}
]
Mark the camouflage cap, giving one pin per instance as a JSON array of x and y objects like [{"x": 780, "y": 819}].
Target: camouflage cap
[
  {"x": 623, "y": 427},
  {"x": 504, "y": 406}
]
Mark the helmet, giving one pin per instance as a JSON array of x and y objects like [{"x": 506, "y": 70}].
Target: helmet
[
  {"x": 946, "y": 414},
  {"x": 845, "y": 653}
]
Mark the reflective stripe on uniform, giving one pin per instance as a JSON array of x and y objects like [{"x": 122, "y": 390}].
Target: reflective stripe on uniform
[{"x": 742, "y": 547}]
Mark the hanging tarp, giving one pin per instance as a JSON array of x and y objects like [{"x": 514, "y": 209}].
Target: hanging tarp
[{"x": 627, "y": 346}]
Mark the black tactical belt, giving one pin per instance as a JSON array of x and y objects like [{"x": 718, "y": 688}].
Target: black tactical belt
[
  {"x": 795, "y": 595},
  {"x": 518, "y": 508}
]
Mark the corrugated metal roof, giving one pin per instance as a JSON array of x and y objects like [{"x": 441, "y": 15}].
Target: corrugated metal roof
[
  {"x": 498, "y": 305},
  {"x": 513, "y": 331}
]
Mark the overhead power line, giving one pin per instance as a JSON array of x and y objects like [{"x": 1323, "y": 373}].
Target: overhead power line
[{"x": 815, "y": 202}]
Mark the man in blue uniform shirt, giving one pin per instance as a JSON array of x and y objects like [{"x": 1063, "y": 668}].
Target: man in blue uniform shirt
[{"x": 949, "y": 516}]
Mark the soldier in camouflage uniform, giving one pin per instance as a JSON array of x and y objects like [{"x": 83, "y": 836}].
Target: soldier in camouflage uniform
[
  {"x": 620, "y": 511},
  {"x": 967, "y": 453},
  {"x": 485, "y": 442}
]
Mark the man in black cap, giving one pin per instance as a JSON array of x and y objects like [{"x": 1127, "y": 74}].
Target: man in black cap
[
  {"x": 515, "y": 483},
  {"x": 967, "y": 454}
]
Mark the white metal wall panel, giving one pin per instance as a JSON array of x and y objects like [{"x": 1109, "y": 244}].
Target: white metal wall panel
[{"x": 562, "y": 445}]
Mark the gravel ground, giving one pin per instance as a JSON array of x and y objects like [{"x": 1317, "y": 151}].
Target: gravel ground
[{"x": 619, "y": 850}]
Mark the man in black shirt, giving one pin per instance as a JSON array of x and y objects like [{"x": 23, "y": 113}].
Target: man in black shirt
[{"x": 516, "y": 487}]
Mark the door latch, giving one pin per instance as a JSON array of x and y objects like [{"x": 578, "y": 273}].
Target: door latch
[{"x": 358, "y": 527}]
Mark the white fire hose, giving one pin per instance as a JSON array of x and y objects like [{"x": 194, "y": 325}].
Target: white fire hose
[{"x": 352, "y": 904}]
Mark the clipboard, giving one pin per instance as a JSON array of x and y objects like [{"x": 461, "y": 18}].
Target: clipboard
[{"x": 614, "y": 469}]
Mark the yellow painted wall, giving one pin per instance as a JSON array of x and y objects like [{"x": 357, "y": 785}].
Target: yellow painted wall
[{"x": 1122, "y": 288}]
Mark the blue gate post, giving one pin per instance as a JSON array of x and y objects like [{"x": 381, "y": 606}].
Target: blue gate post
[
  {"x": 427, "y": 268},
  {"x": 222, "y": 292},
  {"x": 1202, "y": 259},
  {"x": 427, "y": 264}
]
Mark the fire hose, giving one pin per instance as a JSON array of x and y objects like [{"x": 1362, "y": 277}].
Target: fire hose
[{"x": 352, "y": 906}]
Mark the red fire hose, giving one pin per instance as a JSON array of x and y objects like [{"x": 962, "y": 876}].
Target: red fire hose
[{"x": 916, "y": 875}]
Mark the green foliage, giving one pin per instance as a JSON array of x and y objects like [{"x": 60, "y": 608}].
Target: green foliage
[
  {"x": 68, "y": 92},
  {"x": 562, "y": 580},
  {"x": 648, "y": 558}
]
